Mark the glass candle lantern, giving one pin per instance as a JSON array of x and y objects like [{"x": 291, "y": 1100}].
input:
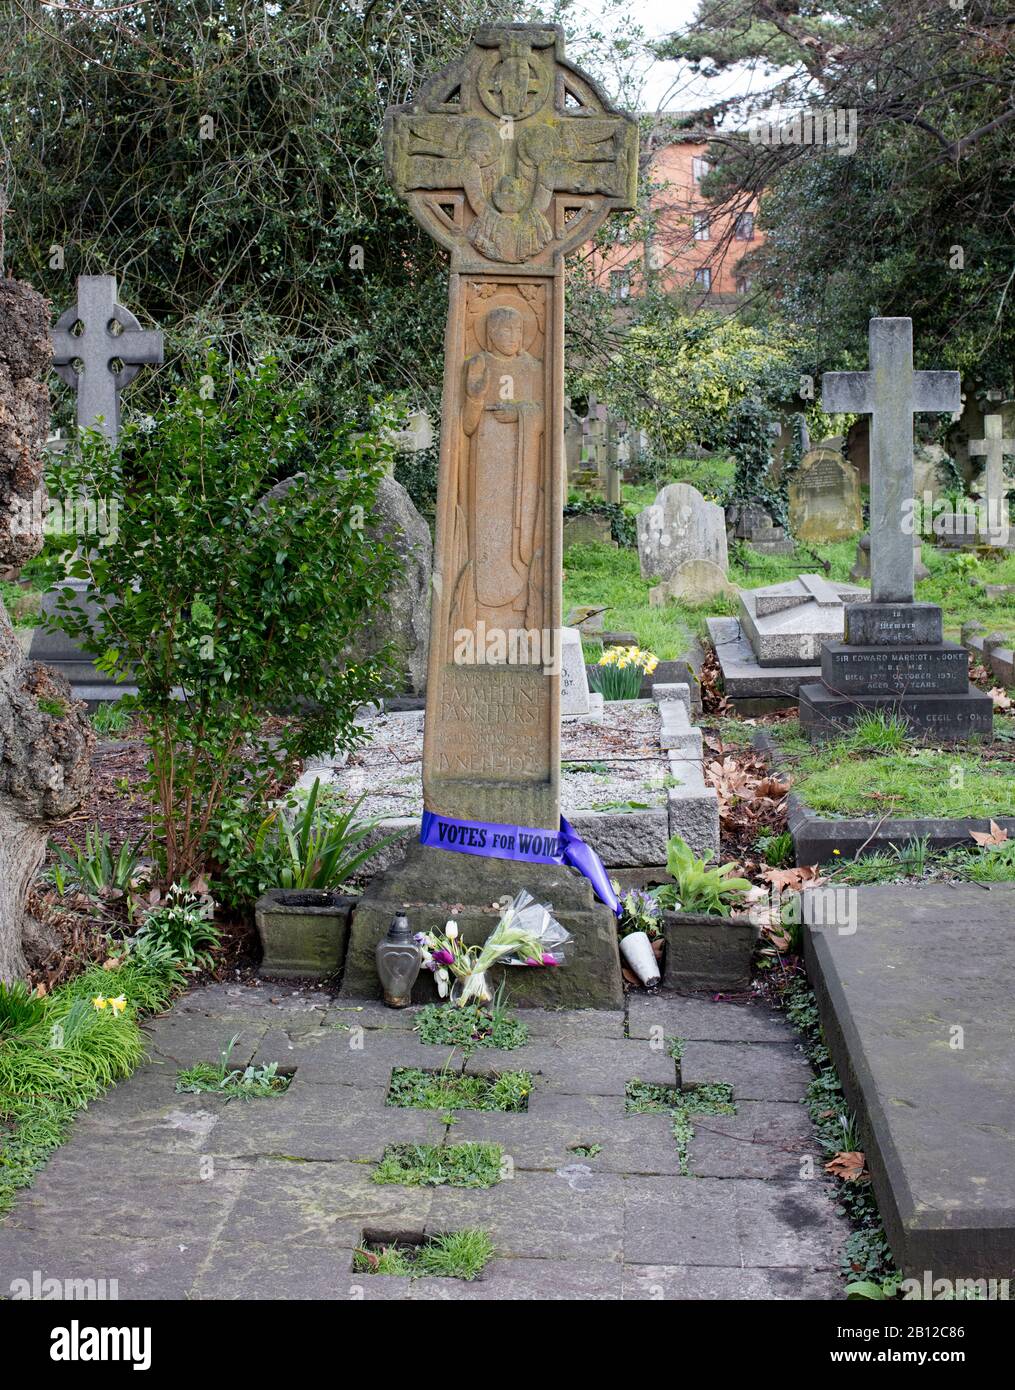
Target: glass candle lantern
[{"x": 398, "y": 962}]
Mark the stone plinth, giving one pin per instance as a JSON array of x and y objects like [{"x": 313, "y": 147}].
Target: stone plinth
[{"x": 432, "y": 885}]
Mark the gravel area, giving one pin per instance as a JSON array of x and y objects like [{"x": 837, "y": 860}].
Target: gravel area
[{"x": 618, "y": 760}]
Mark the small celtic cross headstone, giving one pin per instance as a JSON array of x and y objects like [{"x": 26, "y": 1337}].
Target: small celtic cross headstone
[
  {"x": 510, "y": 157},
  {"x": 890, "y": 393},
  {"x": 88, "y": 339},
  {"x": 993, "y": 447}
]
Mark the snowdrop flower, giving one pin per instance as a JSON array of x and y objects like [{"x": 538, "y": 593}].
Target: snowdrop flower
[{"x": 441, "y": 977}]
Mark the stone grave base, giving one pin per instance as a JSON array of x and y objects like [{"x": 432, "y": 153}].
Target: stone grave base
[
  {"x": 918, "y": 1013},
  {"x": 431, "y": 885},
  {"x": 825, "y": 715},
  {"x": 751, "y": 688}
]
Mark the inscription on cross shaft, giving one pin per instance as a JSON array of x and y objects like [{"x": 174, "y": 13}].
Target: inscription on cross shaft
[
  {"x": 510, "y": 157},
  {"x": 891, "y": 392},
  {"x": 107, "y": 333}
]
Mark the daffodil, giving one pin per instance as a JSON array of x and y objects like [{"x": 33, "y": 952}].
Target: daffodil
[
  {"x": 118, "y": 1004},
  {"x": 99, "y": 1003}
]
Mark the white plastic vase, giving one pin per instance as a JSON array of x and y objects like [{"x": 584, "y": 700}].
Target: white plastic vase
[{"x": 637, "y": 951}]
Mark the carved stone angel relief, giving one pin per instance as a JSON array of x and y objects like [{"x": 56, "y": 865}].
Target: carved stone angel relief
[{"x": 511, "y": 151}]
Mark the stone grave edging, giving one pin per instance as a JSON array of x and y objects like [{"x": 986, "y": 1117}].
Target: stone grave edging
[{"x": 816, "y": 838}]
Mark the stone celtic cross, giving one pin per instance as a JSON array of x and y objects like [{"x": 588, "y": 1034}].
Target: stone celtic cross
[
  {"x": 891, "y": 392},
  {"x": 993, "y": 447},
  {"x": 510, "y": 157},
  {"x": 107, "y": 333}
]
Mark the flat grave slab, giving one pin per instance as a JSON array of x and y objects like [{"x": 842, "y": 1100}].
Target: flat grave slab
[
  {"x": 753, "y": 688},
  {"x": 919, "y": 1015}
]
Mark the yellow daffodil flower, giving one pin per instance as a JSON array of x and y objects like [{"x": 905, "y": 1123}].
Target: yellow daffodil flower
[
  {"x": 118, "y": 1004},
  {"x": 99, "y": 1003}
]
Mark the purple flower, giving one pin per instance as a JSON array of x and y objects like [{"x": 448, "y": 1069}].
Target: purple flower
[
  {"x": 444, "y": 957},
  {"x": 531, "y": 960},
  {"x": 549, "y": 960}
]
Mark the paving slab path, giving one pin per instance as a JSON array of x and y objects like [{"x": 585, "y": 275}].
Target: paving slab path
[{"x": 196, "y": 1196}]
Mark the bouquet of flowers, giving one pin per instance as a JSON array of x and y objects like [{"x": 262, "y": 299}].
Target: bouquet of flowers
[{"x": 525, "y": 935}]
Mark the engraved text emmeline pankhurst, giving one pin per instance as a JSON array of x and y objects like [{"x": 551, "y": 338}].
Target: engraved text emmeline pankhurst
[{"x": 510, "y": 157}]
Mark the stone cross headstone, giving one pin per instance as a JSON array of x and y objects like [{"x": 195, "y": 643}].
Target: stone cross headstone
[
  {"x": 891, "y": 392},
  {"x": 992, "y": 448},
  {"x": 510, "y": 157},
  {"x": 893, "y": 656},
  {"x": 105, "y": 333},
  {"x": 87, "y": 338},
  {"x": 824, "y": 498}
]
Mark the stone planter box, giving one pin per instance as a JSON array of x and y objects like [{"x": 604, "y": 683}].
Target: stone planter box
[
  {"x": 304, "y": 932},
  {"x": 705, "y": 951}
]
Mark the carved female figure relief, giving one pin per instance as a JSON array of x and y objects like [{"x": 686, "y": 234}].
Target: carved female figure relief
[{"x": 499, "y": 512}]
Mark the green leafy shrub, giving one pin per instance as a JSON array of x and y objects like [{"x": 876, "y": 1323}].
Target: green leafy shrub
[
  {"x": 249, "y": 604},
  {"x": 698, "y": 888}
]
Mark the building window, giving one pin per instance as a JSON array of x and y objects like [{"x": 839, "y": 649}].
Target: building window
[
  {"x": 745, "y": 227},
  {"x": 620, "y": 284},
  {"x": 703, "y": 277},
  {"x": 699, "y": 168},
  {"x": 743, "y": 284},
  {"x": 701, "y": 232},
  {"x": 654, "y": 258}
]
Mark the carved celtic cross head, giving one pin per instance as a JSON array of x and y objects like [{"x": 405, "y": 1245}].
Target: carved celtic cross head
[{"x": 512, "y": 156}]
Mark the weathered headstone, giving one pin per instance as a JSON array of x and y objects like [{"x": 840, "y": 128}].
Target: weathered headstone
[
  {"x": 751, "y": 522},
  {"x": 994, "y": 490},
  {"x": 678, "y": 526},
  {"x": 824, "y": 498},
  {"x": 510, "y": 158},
  {"x": 572, "y": 442},
  {"x": 574, "y": 676},
  {"x": 98, "y": 348},
  {"x": 695, "y": 582},
  {"x": 893, "y": 656}
]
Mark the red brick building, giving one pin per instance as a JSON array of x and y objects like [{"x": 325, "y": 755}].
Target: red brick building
[{"x": 690, "y": 247}]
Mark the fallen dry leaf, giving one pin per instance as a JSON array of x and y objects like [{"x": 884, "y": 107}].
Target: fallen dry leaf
[
  {"x": 995, "y": 836},
  {"x": 1002, "y": 700},
  {"x": 782, "y": 879},
  {"x": 846, "y": 1165}
]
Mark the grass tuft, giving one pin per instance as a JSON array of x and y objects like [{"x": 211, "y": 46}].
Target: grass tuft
[{"x": 440, "y": 1165}]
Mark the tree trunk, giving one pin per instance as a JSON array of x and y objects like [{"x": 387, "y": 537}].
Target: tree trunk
[{"x": 45, "y": 740}]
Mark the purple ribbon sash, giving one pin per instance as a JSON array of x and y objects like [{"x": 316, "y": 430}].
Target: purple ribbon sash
[{"x": 521, "y": 843}]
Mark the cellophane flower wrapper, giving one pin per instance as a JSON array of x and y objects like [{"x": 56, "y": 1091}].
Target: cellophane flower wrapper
[{"x": 528, "y": 934}]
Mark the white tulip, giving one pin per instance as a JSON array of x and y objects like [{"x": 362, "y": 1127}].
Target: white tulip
[{"x": 451, "y": 930}]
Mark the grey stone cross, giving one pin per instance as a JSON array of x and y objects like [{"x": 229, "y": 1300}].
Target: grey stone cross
[
  {"x": 890, "y": 393},
  {"x": 108, "y": 333},
  {"x": 993, "y": 447}
]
